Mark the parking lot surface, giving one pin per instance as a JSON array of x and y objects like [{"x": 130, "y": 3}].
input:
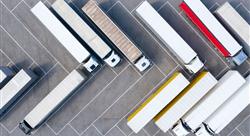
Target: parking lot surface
[{"x": 102, "y": 104}]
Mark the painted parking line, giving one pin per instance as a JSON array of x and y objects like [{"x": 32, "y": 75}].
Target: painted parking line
[
  {"x": 26, "y": 92},
  {"x": 36, "y": 38},
  {"x": 239, "y": 124},
  {"x": 22, "y": 49},
  {"x": 8, "y": 58},
  {"x": 153, "y": 37},
  {"x": 93, "y": 99},
  {"x": 147, "y": 95},
  {"x": 118, "y": 99}
]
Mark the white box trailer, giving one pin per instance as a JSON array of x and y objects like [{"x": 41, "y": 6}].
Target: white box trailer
[
  {"x": 52, "y": 101},
  {"x": 213, "y": 30},
  {"x": 157, "y": 101},
  {"x": 14, "y": 88},
  {"x": 224, "y": 89},
  {"x": 86, "y": 33},
  {"x": 170, "y": 38},
  {"x": 5, "y": 75},
  {"x": 226, "y": 112},
  {"x": 182, "y": 103},
  {"x": 63, "y": 35},
  {"x": 115, "y": 35},
  {"x": 235, "y": 24}
]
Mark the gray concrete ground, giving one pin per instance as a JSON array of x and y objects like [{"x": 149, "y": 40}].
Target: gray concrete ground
[{"x": 101, "y": 105}]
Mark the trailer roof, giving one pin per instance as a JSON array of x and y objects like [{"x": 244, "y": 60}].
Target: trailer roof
[
  {"x": 165, "y": 32},
  {"x": 109, "y": 28},
  {"x": 230, "y": 109},
  {"x": 224, "y": 89},
  {"x": 214, "y": 26},
  {"x": 44, "y": 108},
  {"x": 81, "y": 28},
  {"x": 60, "y": 32},
  {"x": 12, "y": 88},
  {"x": 185, "y": 100},
  {"x": 157, "y": 101}
]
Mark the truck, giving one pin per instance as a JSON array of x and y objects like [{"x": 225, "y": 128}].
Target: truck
[
  {"x": 169, "y": 37},
  {"x": 226, "y": 87},
  {"x": 5, "y": 75},
  {"x": 235, "y": 24},
  {"x": 226, "y": 112},
  {"x": 115, "y": 35},
  {"x": 157, "y": 101},
  {"x": 15, "y": 88},
  {"x": 182, "y": 103},
  {"x": 62, "y": 34},
  {"x": 52, "y": 101},
  {"x": 211, "y": 28},
  {"x": 86, "y": 33}
]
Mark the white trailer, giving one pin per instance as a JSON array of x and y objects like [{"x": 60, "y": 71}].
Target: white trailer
[
  {"x": 169, "y": 37},
  {"x": 182, "y": 103},
  {"x": 5, "y": 75},
  {"x": 86, "y": 33},
  {"x": 52, "y": 101},
  {"x": 14, "y": 88},
  {"x": 224, "y": 89},
  {"x": 157, "y": 101},
  {"x": 235, "y": 24},
  {"x": 63, "y": 35},
  {"x": 116, "y": 36},
  {"x": 227, "y": 112},
  {"x": 213, "y": 30}
]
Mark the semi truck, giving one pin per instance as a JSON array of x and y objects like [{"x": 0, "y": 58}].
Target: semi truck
[
  {"x": 182, "y": 103},
  {"x": 169, "y": 37},
  {"x": 5, "y": 75},
  {"x": 226, "y": 112},
  {"x": 235, "y": 24},
  {"x": 15, "y": 88},
  {"x": 60, "y": 32},
  {"x": 223, "y": 90},
  {"x": 86, "y": 33},
  {"x": 52, "y": 101},
  {"x": 115, "y": 35},
  {"x": 156, "y": 102},
  {"x": 213, "y": 30}
]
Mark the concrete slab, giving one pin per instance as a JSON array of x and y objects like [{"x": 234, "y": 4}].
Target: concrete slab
[
  {"x": 161, "y": 133},
  {"x": 110, "y": 94},
  {"x": 10, "y": 3},
  {"x": 129, "y": 100},
  {"x": 3, "y": 131},
  {"x": 235, "y": 123},
  {"x": 141, "y": 133},
  {"x": 115, "y": 132},
  {"x": 117, "y": 87},
  {"x": 26, "y": 40},
  {"x": 151, "y": 128},
  {"x": 47, "y": 40},
  {"x": 32, "y": 3},
  {"x": 235, "y": 133},
  {"x": 68, "y": 131},
  {"x": 91, "y": 131},
  {"x": 36, "y": 69},
  {"x": 244, "y": 127},
  {"x": 85, "y": 94},
  {"x": 15, "y": 53},
  {"x": 124, "y": 127},
  {"x": 4, "y": 59},
  {"x": 33, "y": 97},
  {"x": 244, "y": 12}
]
